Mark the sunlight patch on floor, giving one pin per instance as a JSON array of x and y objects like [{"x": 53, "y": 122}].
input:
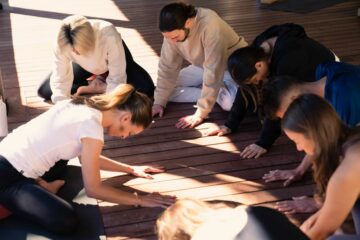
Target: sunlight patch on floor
[{"x": 82, "y": 7}]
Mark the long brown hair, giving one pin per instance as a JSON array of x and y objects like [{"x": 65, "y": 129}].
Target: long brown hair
[
  {"x": 312, "y": 116},
  {"x": 124, "y": 97}
]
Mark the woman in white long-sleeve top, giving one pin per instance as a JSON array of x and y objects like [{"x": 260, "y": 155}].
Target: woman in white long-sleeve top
[{"x": 91, "y": 50}]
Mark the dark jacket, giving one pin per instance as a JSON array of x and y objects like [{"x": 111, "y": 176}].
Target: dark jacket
[{"x": 295, "y": 55}]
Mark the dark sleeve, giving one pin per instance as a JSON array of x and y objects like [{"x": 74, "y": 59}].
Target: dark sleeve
[
  {"x": 287, "y": 30},
  {"x": 239, "y": 110},
  {"x": 270, "y": 131}
]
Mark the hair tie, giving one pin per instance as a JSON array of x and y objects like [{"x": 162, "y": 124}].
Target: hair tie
[{"x": 68, "y": 34}]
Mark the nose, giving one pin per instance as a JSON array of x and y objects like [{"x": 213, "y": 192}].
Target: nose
[
  {"x": 280, "y": 114},
  {"x": 126, "y": 135}
]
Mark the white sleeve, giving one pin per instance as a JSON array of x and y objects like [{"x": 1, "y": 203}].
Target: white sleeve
[
  {"x": 116, "y": 60},
  {"x": 91, "y": 128},
  {"x": 62, "y": 77}
]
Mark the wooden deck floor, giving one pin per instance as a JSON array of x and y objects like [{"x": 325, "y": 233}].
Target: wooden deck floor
[{"x": 202, "y": 167}]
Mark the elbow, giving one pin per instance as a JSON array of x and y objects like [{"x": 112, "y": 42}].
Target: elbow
[
  {"x": 322, "y": 234},
  {"x": 92, "y": 192}
]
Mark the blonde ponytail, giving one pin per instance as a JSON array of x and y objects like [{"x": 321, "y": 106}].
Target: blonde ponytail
[
  {"x": 76, "y": 32},
  {"x": 123, "y": 97}
]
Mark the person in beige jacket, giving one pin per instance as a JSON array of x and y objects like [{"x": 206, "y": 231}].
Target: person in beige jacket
[{"x": 202, "y": 38}]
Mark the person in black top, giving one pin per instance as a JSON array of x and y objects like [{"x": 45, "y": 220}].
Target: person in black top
[
  {"x": 197, "y": 220},
  {"x": 280, "y": 50}
]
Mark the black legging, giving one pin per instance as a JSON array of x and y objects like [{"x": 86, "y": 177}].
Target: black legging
[
  {"x": 136, "y": 76},
  {"x": 26, "y": 199}
]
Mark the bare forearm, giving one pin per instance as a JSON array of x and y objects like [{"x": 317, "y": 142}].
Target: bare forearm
[
  {"x": 110, "y": 194},
  {"x": 304, "y": 165},
  {"x": 111, "y": 165},
  {"x": 314, "y": 234}
]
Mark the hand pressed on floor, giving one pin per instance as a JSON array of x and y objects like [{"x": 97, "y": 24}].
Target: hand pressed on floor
[
  {"x": 301, "y": 204},
  {"x": 218, "y": 130},
  {"x": 190, "y": 121},
  {"x": 253, "y": 151},
  {"x": 290, "y": 176}
]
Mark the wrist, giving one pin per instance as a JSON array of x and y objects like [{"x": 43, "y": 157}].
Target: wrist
[
  {"x": 300, "y": 171},
  {"x": 137, "y": 200},
  {"x": 201, "y": 114},
  {"x": 128, "y": 169},
  {"x": 226, "y": 129}
]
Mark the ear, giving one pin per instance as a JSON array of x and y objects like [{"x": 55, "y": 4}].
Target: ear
[
  {"x": 188, "y": 23},
  {"x": 125, "y": 117},
  {"x": 259, "y": 65}
]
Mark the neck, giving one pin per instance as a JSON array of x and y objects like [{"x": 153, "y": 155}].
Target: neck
[
  {"x": 109, "y": 116},
  {"x": 317, "y": 87},
  {"x": 106, "y": 118}
]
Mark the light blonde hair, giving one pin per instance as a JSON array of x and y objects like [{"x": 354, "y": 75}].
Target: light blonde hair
[
  {"x": 181, "y": 220},
  {"x": 125, "y": 98},
  {"x": 76, "y": 32}
]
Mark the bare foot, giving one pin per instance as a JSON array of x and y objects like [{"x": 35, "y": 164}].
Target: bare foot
[
  {"x": 301, "y": 204},
  {"x": 53, "y": 186},
  {"x": 96, "y": 86}
]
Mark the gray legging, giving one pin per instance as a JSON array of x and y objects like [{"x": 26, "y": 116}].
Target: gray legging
[{"x": 356, "y": 217}]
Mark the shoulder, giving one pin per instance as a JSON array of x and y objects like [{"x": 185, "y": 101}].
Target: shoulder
[
  {"x": 353, "y": 151},
  {"x": 104, "y": 28},
  {"x": 349, "y": 168},
  {"x": 208, "y": 19},
  {"x": 80, "y": 112}
]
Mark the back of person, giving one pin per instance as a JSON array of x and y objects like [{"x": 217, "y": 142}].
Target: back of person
[
  {"x": 207, "y": 29},
  {"x": 52, "y": 136},
  {"x": 268, "y": 224},
  {"x": 197, "y": 220},
  {"x": 294, "y": 54},
  {"x": 247, "y": 223},
  {"x": 342, "y": 89}
]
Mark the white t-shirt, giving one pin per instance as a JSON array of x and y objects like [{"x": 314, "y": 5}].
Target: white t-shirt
[{"x": 36, "y": 146}]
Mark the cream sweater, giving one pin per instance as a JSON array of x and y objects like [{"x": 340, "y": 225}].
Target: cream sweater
[
  {"x": 108, "y": 55},
  {"x": 210, "y": 42}
]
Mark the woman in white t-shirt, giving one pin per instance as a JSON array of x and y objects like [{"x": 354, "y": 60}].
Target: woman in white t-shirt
[
  {"x": 69, "y": 129},
  {"x": 91, "y": 49}
]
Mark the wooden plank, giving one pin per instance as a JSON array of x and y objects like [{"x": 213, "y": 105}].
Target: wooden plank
[{"x": 197, "y": 166}]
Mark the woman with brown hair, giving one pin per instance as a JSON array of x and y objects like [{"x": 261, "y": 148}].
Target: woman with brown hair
[
  {"x": 69, "y": 129},
  {"x": 315, "y": 127}
]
